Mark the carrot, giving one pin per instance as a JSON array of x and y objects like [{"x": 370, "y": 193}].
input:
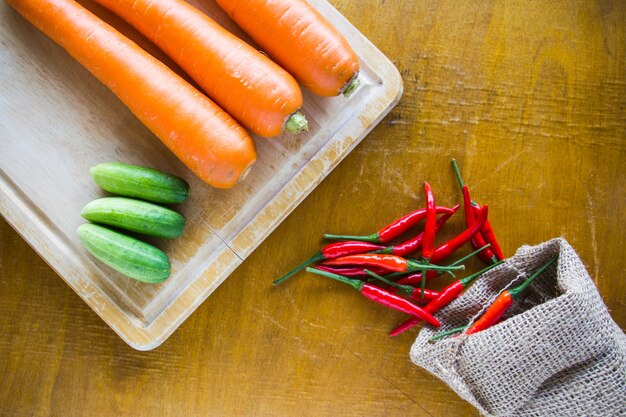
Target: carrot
[
  {"x": 301, "y": 41},
  {"x": 254, "y": 90},
  {"x": 214, "y": 146}
]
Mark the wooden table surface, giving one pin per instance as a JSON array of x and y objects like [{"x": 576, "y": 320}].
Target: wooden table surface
[{"x": 529, "y": 96}]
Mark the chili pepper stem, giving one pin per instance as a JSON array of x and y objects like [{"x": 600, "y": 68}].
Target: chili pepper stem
[
  {"x": 455, "y": 263},
  {"x": 386, "y": 251},
  {"x": 447, "y": 333},
  {"x": 368, "y": 238},
  {"x": 416, "y": 266},
  {"x": 467, "y": 280},
  {"x": 515, "y": 292},
  {"x": 315, "y": 258},
  {"x": 466, "y": 257},
  {"x": 396, "y": 274},
  {"x": 451, "y": 274},
  {"x": 356, "y": 284},
  {"x": 404, "y": 288},
  {"x": 457, "y": 173}
]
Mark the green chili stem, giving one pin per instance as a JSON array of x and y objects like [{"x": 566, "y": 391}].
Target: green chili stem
[
  {"x": 387, "y": 251},
  {"x": 455, "y": 263},
  {"x": 397, "y": 274},
  {"x": 459, "y": 179},
  {"x": 515, "y": 292},
  {"x": 407, "y": 289},
  {"x": 447, "y": 333},
  {"x": 356, "y": 284},
  {"x": 451, "y": 274},
  {"x": 465, "y": 258},
  {"x": 467, "y": 280},
  {"x": 416, "y": 266},
  {"x": 458, "y": 173},
  {"x": 368, "y": 238},
  {"x": 317, "y": 257}
]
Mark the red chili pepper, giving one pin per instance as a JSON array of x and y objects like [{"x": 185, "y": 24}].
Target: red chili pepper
[
  {"x": 430, "y": 224},
  {"x": 408, "y": 290},
  {"x": 503, "y": 302},
  {"x": 493, "y": 313},
  {"x": 487, "y": 232},
  {"x": 448, "y": 248},
  {"x": 353, "y": 272},
  {"x": 339, "y": 249},
  {"x": 447, "y": 295},
  {"x": 411, "y": 245},
  {"x": 331, "y": 251},
  {"x": 429, "y": 295},
  {"x": 489, "y": 235},
  {"x": 478, "y": 240},
  {"x": 392, "y": 230},
  {"x": 391, "y": 263},
  {"x": 382, "y": 296}
]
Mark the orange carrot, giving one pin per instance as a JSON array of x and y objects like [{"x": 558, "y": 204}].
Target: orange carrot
[
  {"x": 248, "y": 85},
  {"x": 214, "y": 146},
  {"x": 301, "y": 41}
]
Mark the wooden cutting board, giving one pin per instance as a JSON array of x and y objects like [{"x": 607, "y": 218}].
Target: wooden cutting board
[{"x": 58, "y": 120}]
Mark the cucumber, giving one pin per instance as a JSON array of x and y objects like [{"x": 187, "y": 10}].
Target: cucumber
[
  {"x": 135, "y": 215},
  {"x": 140, "y": 182},
  {"x": 130, "y": 256}
]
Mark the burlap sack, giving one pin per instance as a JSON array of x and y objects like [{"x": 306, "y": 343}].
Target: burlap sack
[{"x": 556, "y": 353}]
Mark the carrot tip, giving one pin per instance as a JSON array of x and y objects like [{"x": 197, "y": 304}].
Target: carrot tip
[
  {"x": 245, "y": 172},
  {"x": 296, "y": 123},
  {"x": 351, "y": 86}
]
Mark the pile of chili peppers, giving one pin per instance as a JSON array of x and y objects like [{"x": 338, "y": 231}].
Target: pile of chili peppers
[{"x": 383, "y": 272}]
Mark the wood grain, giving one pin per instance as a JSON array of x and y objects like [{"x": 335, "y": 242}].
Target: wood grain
[{"x": 530, "y": 97}]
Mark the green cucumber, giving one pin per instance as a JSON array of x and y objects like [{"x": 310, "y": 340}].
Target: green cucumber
[
  {"x": 140, "y": 182},
  {"x": 130, "y": 256},
  {"x": 135, "y": 215}
]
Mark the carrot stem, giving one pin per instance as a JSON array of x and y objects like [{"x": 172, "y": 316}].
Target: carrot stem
[
  {"x": 296, "y": 123},
  {"x": 351, "y": 86}
]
